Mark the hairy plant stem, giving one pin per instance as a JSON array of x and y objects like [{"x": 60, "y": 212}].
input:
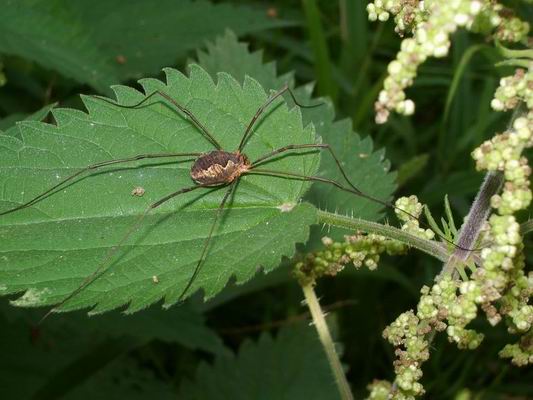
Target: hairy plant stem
[
  {"x": 430, "y": 247},
  {"x": 526, "y": 227},
  {"x": 327, "y": 342},
  {"x": 469, "y": 232}
]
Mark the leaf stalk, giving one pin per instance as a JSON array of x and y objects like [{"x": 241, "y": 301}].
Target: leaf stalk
[
  {"x": 430, "y": 247},
  {"x": 327, "y": 342}
]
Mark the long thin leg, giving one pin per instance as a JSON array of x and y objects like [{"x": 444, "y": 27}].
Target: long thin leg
[
  {"x": 93, "y": 167},
  {"x": 349, "y": 190},
  {"x": 184, "y": 110},
  {"x": 208, "y": 239},
  {"x": 339, "y": 166},
  {"x": 261, "y": 109},
  {"x": 355, "y": 190},
  {"x": 100, "y": 270}
]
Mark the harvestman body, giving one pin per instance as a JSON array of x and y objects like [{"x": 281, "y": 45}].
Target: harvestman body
[{"x": 218, "y": 168}]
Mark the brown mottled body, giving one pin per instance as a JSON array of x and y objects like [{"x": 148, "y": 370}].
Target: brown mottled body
[{"x": 219, "y": 167}]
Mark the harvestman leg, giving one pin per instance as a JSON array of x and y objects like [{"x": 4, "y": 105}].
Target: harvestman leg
[
  {"x": 208, "y": 239},
  {"x": 353, "y": 189},
  {"x": 339, "y": 166},
  {"x": 346, "y": 189},
  {"x": 94, "y": 167},
  {"x": 261, "y": 109},
  {"x": 100, "y": 270},
  {"x": 183, "y": 109}
]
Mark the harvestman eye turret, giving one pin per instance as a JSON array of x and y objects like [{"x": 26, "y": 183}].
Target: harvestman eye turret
[{"x": 215, "y": 169}]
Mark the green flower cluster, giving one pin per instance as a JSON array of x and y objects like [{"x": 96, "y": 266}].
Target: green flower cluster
[
  {"x": 359, "y": 250},
  {"x": 514, "y": 89},
  {"x": 502, "y": 23},
  {"x": 379, "y": 390},
  {"x": 407, "y": 334},
  {"x": 407, "y": 208},
  {"x": 407, "y": 13},
  {"x": 509, "y": 28},
  {"x": 449, "y": 305},
  {"x": 521, "y": 353},
  {"x": 432, "y": 22},
  {"x": 435, "y": 21},
  {"x": 502, "y": 278},
  {"x": 452, "y": 305},
  {"x": 504, "y": 153}
]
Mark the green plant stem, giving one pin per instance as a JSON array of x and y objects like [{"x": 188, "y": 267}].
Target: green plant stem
[
  {"x": 477, "y": 216},
  {"x": 327, "y": 342},
  {"x": 526, "y": 227},
  {"x": 430, "y": 247}
]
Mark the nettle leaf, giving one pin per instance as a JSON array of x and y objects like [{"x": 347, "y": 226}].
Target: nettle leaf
[
  {"x": 78, "y": 355},
  {"x": 149, "y": 37},
  {"x": 105, "y": 42},
  {"x": 293, "y": 366},
  {"x": 45, "y": 32},
  {"x": 227, "y": 54},
  {"x": 184, "y": 325},
  {"x": 368, "y": 169},
  {"x": 9, "y": 122},
  {"x": 48, "y": 250},
  {"x": 124, "y": 379}
]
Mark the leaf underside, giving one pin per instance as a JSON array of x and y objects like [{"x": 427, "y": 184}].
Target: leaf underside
[{"x": 49, "y": 249}]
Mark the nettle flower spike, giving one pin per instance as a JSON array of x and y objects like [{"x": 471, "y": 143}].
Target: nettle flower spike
[
  {"x": 502, "y": 278},
  {"x": 514, "y": 89},
  {"x": 432, "y": 23},
  {"x": 361, "y": 250},
  {"x": 412, "y": 206}
]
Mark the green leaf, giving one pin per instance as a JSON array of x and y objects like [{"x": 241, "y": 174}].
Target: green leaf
[
  {"x": 227, "y": 54},
  {"x": 46, "y": 32},
  {"x": 292, "y": 366},
  {"x": 23, "y": 371},
  {"x": 149, "y": 37},
  {"x": 368, "y": 169},
  {"x": 184, "y": 325},
  {"x": 321, "y": 54},
  {"x": 77, "y": 355},
  {"x": 64, "y": 359},
  {"x": 49, "y": 249},
  {"x": 106, "y": 42},
  {"x": 8, "y": 123},
  {"x": 124, "y": 379}
]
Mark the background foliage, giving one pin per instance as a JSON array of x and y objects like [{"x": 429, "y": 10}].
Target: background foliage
[{"x": 53, "y": 50}]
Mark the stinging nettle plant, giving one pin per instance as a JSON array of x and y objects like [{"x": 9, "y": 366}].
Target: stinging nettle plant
[
  {"x": 89, "y": 217},
  {"x": 70, "y": 227},
  {"x": 498, "y": 283},
  {"x": 49, "y": 249}
]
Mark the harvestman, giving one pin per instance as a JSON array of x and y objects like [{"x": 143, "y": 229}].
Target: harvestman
[{"x": 215, "y": 169}]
